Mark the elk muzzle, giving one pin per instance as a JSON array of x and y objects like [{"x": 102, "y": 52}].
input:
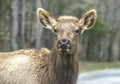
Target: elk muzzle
[{"x": 64, "y": 45}]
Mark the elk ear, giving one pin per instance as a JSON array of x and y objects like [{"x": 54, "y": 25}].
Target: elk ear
[
  {"x": 88, "y": 19},
  {"x": 45, "y": 18}
]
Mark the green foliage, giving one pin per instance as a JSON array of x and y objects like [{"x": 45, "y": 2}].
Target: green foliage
[
  {"x": 86, "y": 66},
  {"x": 4, "y": 5},
  {"x": 99, "y": 30},
  {"x": 4, "y": 18}
]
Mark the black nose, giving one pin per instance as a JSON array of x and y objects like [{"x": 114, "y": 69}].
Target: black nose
[{"x": 64, "y": 43}]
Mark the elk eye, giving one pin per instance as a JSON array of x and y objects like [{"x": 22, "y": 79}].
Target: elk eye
[
  {"x": 77, "y": 31},
  {"x": 55, "y": 30}
]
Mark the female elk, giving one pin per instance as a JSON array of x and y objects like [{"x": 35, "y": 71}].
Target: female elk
[{"x": 58, "y": 66}]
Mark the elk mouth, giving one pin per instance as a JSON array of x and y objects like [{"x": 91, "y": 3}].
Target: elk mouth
[{"x": 64, "y": 48}]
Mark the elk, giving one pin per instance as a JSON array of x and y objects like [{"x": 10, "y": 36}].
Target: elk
[{"x": 56, "y": 66}]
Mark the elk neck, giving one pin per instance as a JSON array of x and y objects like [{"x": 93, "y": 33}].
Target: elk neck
[{"x": 64, "y": 66}]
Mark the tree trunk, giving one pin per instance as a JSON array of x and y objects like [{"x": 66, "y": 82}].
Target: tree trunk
[
  {"x": 23, "y": 24},
  {"x": 39, "y": 29},
  {"x": 14, "y": 29}
]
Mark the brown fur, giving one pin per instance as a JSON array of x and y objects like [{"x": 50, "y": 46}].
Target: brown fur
[
  {"x": 44, "y": 66},
  {"x": 32, "y": 67}
]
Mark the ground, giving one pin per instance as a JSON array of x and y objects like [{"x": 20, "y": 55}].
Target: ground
[{"x": 86, "y": 66}]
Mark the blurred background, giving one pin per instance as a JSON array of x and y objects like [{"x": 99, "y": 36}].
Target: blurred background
[{"x": 20, "y": 28}]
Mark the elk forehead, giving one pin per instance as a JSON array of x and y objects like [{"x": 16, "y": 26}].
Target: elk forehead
[
  {"x": 67, "y": 23},
  {"x": 68, "y": 20}
]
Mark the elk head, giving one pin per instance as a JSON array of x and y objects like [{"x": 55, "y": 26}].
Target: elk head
[{"x": 66, "y": 28}]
